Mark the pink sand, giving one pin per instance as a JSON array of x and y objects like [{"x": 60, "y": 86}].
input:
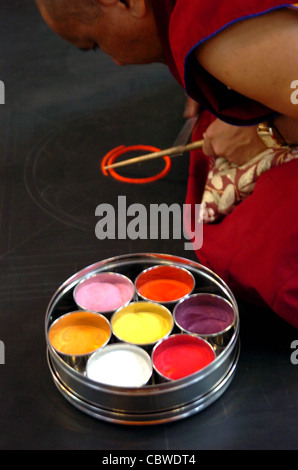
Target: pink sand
[{"x": 103, "y": 296}]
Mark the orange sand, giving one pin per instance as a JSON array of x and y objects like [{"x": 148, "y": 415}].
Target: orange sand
[{"x": 79, "y": 333}]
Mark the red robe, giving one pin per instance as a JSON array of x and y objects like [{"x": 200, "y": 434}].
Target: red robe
[{"x": 254, "y": 248}]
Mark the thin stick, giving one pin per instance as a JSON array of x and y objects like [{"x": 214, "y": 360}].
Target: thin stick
[{"x": 162, "y": 153}]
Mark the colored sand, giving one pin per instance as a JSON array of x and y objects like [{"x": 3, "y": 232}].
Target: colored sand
[
  {"x": 205, "y": 317},
  {"x": 120, "y": 366},
  {"x": 144, "y": 325},
  {"x": 181, "y": 359},
  {"x": 79, "y": 333},
  {"x": 164, "y": 290},
  {"x": 164, "y": 283},
  {"x": 103, "y": 295}
]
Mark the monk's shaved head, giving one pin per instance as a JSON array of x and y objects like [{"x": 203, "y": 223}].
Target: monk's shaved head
[
  {"x": 126, "y": 30},
  {"x": 59, "y": 10}
]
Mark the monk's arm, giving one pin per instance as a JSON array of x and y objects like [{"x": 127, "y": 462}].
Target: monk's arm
[{"x": 258, "y": 57}]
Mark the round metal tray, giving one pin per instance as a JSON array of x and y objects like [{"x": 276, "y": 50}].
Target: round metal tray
[{"x": 156, "y": 402}]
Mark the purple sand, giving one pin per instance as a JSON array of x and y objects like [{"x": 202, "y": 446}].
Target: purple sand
[{"x": 205, "y": 318}]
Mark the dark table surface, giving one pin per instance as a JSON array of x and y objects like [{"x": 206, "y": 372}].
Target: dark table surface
[{"x": 64, "y": 109}]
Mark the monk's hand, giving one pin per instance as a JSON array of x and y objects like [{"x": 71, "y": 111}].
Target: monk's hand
[{"x": 236, "y": 144}]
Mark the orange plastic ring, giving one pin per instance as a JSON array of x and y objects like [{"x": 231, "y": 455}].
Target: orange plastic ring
[{"x": 113, "y": 154}]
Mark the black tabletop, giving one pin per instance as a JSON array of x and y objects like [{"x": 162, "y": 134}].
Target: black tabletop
[{"x": 64, "y": 110}]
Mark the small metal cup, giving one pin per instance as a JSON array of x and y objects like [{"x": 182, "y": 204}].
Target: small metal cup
[
  {"x": 168, "y": 273},
  {"x": 78, "y": 320},
  {"x": 134, "y": 333},
  {"x": 172, "y": 347},
  {"x": 89, "y": 296},
  {"x": 120, "y": 365},
  {"x": 206, "y": 315}
]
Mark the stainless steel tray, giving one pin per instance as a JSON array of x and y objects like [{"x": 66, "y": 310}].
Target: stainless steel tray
[{"x": 156, "y": 402}]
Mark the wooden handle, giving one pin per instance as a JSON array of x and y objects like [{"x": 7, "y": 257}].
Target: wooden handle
[{"x": 162, "y": 153}]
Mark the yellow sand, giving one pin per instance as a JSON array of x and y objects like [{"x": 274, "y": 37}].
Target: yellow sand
[{"x": 141, "y": 327}]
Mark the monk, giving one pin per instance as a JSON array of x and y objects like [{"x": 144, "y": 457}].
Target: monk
[{"x": 238, "y": 61}]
